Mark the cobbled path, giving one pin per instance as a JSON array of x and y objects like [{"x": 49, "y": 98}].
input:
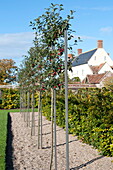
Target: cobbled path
[{"x": 27, "y": 156}]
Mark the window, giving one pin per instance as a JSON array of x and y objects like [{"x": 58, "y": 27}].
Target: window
[
  {"x": 104, "y": 58},
  {"x": 86, "y": 81},
  {"x": 95, "y": 58},
  {"x": 82, "y": 72}
]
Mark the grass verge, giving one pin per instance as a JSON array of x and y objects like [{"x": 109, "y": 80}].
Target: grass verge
[{"x": 3, "y": 135}]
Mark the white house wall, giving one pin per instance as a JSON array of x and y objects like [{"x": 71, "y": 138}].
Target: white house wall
[
  {"x": 105, "y": 68},
  {"x": 80, "y": 71},
  {"x": 99, "y": 85},
  {"x": 99, "y": 57},
  {"x": 108, "y": 74}
]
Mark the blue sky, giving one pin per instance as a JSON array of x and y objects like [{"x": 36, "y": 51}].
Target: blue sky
[{"x": 92, "y": 22}]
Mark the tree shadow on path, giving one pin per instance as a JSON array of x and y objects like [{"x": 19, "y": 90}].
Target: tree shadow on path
[
  {"x": 9, "y": 147},
  {"x": 87, "y": 163},
  {"x": 62, "y": 144}
]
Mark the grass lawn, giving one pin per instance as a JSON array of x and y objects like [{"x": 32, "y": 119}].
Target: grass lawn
[{"x": 3, "y": 135}]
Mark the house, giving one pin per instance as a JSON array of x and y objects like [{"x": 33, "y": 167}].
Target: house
[
  {"x": 96, "y": 61},
  {"x": 97, "y": 79}
]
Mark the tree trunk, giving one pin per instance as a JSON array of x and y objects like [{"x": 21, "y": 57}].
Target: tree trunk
[
  {"x": 39, "y": 117},
  {"x": 52, "y": 111},
  {"x": 41, "y": 120},
  {"x": 66, "y": 103},
  {"x": 24, "y": 106},
  {"x": 55, "y": 137},
  {"x": 20, "y": 102},
  {"x": 28, "y": 107},
  {"x": 33, "y": 117}
]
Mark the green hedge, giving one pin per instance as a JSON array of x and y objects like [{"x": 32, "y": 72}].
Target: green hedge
[
  {"x": 10, "y": 99},
  {"x": 90, "y": 116}
]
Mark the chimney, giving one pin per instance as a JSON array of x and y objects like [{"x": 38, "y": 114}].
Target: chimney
[
  {"x": 79, "y": 51},
  {"x": 70, "y": 56},
  {"x": 100, "y": 43}
]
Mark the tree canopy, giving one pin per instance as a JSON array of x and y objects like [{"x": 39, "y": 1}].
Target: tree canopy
[
  {"x": 8, "y": 71},
  {"x": 44, "y": 64}
]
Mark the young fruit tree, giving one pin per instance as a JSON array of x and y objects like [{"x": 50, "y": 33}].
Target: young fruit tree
[{"x": 49, "y": 29}]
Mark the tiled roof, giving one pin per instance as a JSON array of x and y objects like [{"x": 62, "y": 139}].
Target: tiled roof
[
  {"x": 80, "y": 85},
  {"x": 83, "y": 58},
  {"x": 95, "y": 78},
  {"x": 96, "y": 69},
  {"x": 9, "y": 86}
]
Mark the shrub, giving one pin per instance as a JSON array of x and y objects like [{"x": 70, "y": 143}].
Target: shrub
[
  {"x": 10, "y": 99},
  {"x": 90, "y": 116}
]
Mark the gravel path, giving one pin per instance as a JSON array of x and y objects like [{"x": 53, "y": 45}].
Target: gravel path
[{"x": 27, "y": 156}]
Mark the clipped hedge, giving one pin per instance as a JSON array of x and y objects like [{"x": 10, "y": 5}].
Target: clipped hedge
[
  {"x": 90, "y": 116},
  {"x": 10, "y": 99}
]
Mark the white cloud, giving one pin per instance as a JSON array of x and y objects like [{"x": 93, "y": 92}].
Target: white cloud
[
  {"x": 85, "y": 37},
  {"x": 15, "y": 45},
  {"x": 88, "y": 37},
  {"x": 102, "y": 8},
  {"x": 106, "y": 30},
  {"x": 96, "y": 8}
]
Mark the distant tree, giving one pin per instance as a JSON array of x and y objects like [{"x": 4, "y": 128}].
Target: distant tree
[
  {"x": 8, "y": 71},
  {"x": 74, "y": 79}
]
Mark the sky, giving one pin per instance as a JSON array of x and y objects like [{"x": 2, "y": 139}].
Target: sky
[{"x": 92, "y": 22}]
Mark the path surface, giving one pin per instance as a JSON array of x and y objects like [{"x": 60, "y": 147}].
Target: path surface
[{"x": 27, "y": 156}]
